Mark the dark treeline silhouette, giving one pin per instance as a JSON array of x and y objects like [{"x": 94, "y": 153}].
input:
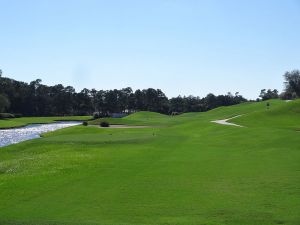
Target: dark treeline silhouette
[
  {"x": 291, "y": 90},
  {"x": 197, "y": 104},
  {"x": 292, "y": 85},
  {"x": 268, "y": 94},
  {"x": 37, "y": 99}
]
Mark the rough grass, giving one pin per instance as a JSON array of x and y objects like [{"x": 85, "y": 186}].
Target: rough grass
[
  {"x": 18, "y": 122},
  {"x": 189, "y": 171}
]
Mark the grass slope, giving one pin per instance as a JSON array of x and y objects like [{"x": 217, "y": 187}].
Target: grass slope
[
  {"x": 18, "y": 122},
  {"x": 190, "y": 171},
  {"x": 138, "y": 118}
]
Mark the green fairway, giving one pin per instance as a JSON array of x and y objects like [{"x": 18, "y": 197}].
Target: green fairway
[
  {"x": 18, "y": 122},
  {"x": 184, "y": 170}
]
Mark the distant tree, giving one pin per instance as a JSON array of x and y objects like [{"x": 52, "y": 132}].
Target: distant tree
[
  {"x": 57, "y": 96},
  {"x": 155, "y": 100},
  {"x": 131, "y": 103},
  {"x": 124, "y": 98},
  {"x": 193, "y": 104},
  {"x": 177, "y": 104},
  {"x": 112, "y": 101},
  {"x": 140, "y": 103},
  {"x": 43, "y": 101},
  {"x": 83, "y": 103},
  {"x": 100, "y": 103},
  {"x": 94, "y": 99},
  {"x": 268, "y": 94},
  {"x": 33, "y": 100},
  {"x": 4, "y": 103},
  {"x": 292, "y": 84},
  {"x": 210, "y": 101},
  {"x": 262, "y": 93},
  {"x": 37, "y": 99},
  {"x": 68, "y": 100}
]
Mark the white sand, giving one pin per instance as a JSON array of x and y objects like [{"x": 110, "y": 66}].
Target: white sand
[{"x": 224, "y": 122}]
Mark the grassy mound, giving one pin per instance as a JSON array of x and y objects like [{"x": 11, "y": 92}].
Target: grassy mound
[
  {"x": 138, "y": 118},
  {"x": 145, "y": 115},
  {"x": 284, "y": 115}
]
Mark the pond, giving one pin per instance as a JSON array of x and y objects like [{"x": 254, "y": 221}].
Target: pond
[{"x": 16, "y": 135}]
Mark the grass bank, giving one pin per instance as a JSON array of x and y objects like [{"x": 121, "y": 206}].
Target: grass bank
[{"x": 23, "y": 121}]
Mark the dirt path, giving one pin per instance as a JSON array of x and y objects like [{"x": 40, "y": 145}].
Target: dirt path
[{"x": 224, "y": 122}]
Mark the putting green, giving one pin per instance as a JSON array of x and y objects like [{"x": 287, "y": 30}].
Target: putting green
[{"x": 183, "y": 170}]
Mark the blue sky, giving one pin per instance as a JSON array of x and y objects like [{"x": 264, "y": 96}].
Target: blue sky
[{"x": 182, "y": 47}]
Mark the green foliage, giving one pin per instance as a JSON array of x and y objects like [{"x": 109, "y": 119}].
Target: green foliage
[
  {"x": 292, "y": 84},
  {"x": 196, "y": 104},
  {"x": 268, "y": 94},
  {"x": 84, "y": 123},
  {"x": 6, "y": 115},
  {"x": 96, "y": 115},
  {"x": 4, "y": 103},
  {"x": 18, "y": 115},
  {"x": 104, "y": 124}
]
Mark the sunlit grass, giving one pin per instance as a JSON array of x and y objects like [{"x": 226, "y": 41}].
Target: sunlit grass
[{"x": 185, "y": 171}]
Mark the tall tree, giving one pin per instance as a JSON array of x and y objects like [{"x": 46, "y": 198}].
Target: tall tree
[
  {"x": 292, "y": 83},
  {"x": 268, "y": 94},
  {"x": 4, "y": 103}
]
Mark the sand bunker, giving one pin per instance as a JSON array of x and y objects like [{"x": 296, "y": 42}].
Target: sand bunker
[{"x": 224, "y": 122}]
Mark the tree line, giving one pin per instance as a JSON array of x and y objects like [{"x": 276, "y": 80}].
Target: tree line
[
  {"x": 291, "y": 90},
  {"x": 37, "y": 99}
]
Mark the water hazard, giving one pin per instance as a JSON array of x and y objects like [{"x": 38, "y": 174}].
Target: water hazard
[{"x": 16, "y": 135}]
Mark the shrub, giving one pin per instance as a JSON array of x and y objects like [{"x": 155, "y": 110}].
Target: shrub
[
  {"x": 18, "y": 115},
  {"x": 96, "y": 115},
  {"x": 6, "y": 115},
  {"x": 104, "y": 124},
  {"x": 84, "y": 123}
]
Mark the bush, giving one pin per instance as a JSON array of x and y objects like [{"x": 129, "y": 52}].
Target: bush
[
  {"x": 104, "y": 124},
  {"x": 96, "y": 115},
  {"x": 6, "y": 115},
  {"x": 84, "y": 123},
  {"x": 18, "y": 115}
]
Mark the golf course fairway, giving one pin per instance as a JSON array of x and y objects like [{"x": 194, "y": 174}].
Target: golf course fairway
[{"x": 180, "y": 170}]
